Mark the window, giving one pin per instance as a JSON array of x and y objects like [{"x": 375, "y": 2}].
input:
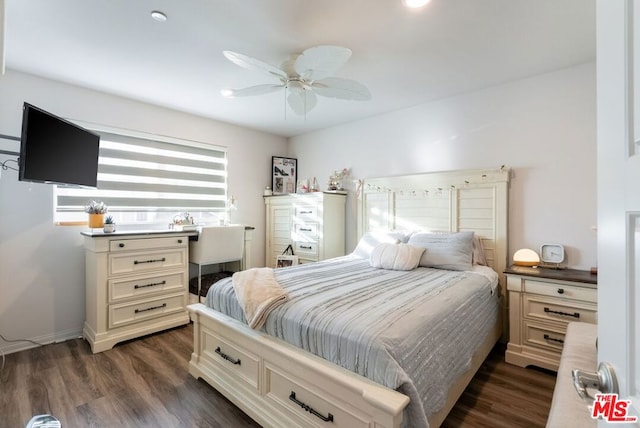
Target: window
[{"x": 148, "y": 179}]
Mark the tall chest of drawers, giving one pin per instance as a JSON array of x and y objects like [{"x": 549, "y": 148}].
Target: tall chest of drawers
[
  {"x": 136, "y": 284},
  {"x": 312, "y": 223},
  {"x": 541, "y": 304}
]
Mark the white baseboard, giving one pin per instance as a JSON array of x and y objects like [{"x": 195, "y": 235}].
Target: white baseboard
[{"x": 56, "y": 337}]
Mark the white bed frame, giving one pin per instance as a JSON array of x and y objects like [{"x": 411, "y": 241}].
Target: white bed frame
[{"x": 279, "y": 385}]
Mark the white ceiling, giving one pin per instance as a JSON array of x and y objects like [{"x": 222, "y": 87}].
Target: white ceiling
[{"x": 404, "y": 57}]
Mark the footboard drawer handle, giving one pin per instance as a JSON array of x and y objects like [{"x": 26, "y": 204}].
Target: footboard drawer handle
[
  {"x": 552, "y": 339},
  {"x": 149, "y": 285},
  {"x": 292, "y": 397},
  {"x": 226, "y": 357},
  {"x": 164, "y": 305},
  {"x": 566, "y": 314},
  {"x": 137, "y": 262}
]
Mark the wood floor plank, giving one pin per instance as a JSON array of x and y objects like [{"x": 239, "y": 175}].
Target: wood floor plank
[{"x": 146, "y": 383}]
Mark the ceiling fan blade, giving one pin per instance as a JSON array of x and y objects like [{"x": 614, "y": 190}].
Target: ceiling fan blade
[
  {"x": 254, "y": 64},
  {"x": 251, "y": 90},
  {"x": 344, "y": 89},
  {"x": 301, "y": 101},
  {"x": 321, "y": 61}
]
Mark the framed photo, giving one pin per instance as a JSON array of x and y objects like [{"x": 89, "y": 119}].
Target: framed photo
[
  {"x": 286, "y": 261},
  {"x": 284, "y": 173}
]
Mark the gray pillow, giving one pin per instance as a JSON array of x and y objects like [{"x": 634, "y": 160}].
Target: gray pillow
[{"x": 451, "y": 251}]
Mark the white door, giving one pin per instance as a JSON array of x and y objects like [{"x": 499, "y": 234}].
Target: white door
[{"x": 618, "y": 73}]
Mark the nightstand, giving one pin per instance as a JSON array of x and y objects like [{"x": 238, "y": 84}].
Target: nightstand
[{"x": 541, "y": 303}]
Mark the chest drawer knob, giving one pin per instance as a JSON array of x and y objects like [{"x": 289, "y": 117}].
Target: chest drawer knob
[
  {"x": 121, "y": 245},
  {"x": 560, "y": 290}
]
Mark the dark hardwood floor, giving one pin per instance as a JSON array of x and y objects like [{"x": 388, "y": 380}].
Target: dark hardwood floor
[{"x": 145, "y": 383}]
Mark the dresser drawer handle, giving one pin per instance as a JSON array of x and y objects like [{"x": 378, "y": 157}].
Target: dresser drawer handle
[
  {"x": 566, "y": 314},
  {"x": 137, "y": 262},
  {"x": 149, "y": 285},
  {"x": 179, "y": 241},
  {"x": 306, "y": 229},
  {"x": 152, "y": 308},
  {"x": 552, "y": 339},
  {"x": 306, "y": 247},
  {"x": 309, "y": 409},
  {"x": 306, "y": 212},
  {"x": 121, "y": 245},
  {"x": 560, "y": 290},
  {"x": 228, "y": 358}
]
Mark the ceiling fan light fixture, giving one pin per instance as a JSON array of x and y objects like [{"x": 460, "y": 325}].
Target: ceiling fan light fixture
[
  {"x": 159, "y": 16},
  {"x": 415, "y": 4}
]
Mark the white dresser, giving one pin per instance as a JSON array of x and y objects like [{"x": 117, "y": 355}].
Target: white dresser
[
  {"x": 541, "y": 304},
  {"x": 312, "y": 223},
  {"x": 136, "y": 284}
]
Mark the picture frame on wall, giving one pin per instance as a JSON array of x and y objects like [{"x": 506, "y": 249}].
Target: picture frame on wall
[{"x": 284, "y": 173}]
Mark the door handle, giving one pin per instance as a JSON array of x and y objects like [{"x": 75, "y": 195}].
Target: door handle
[{"x": 604, "y": 380}]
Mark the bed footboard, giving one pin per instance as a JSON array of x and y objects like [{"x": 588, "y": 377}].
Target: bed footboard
[{"x": 279, "y": 385}]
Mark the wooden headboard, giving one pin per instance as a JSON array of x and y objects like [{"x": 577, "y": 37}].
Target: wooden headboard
[{"x": 467, "y": 200}]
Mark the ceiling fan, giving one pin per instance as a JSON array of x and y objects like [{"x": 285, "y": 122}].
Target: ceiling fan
[{"x": 303, "y": 76}]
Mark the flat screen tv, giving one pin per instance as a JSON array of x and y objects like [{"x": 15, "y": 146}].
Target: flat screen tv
[{"x": 54, "y": 150}]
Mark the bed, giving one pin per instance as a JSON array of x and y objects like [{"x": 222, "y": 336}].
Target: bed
[{"x": 294, "y": 373}]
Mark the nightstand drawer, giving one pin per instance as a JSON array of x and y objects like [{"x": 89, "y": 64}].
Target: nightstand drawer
[
  {"x": 554, "y": 309},
  {"x": 561, "y": 291},
  {"x": 542, "y": 336}
]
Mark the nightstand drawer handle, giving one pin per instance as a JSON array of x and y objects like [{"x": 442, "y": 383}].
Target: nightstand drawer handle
[
  {"x": 566, "y": 314},
  {"x": 137, "y": 262},
  {"x": 149, "y": 285},
  {"x": 228, "y": 358},
  {"x": 551, "y": 339},
  {"x": 152, "y": 308},
  {"x": 560, "y": 290}
]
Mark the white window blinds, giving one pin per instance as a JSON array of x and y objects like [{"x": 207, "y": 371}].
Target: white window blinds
[{"x": 150, "y": 180}]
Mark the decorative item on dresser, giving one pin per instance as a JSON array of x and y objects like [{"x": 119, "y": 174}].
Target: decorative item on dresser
[
  {"x": 312, "y": 223},
  {"x": 284, "y": 173},
  {"x": 136, "y": 284},
  {"x": 541, "y": 303}
]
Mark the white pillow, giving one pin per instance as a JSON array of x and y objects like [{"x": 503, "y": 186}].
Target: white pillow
[
  {"x": 453, "y": 251},
  {"x": 396, "y": 256},
  {"x": 371, "y": 239}
]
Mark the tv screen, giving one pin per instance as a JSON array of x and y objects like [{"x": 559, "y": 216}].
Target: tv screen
[{"x": 53, "y": 150}]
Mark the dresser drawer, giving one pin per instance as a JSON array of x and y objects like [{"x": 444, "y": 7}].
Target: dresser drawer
[
  {"x": 546, "y": 308},
  {"x": 128, "y": 313},
  {"x": 148, "y": 243},
  {"x": 315, "y": 410},
  {"x": 134, "y": 287},
  {"x": 305, "y": 230},
  {"x": 121, "y": 263},
  {"x": 561, "y": 291},
  {"x": 306, "y": 212},
  {"x": 231, "y": 358},
  {"x": 543, "y": 336},
  {"x": 302, "y": 248}
]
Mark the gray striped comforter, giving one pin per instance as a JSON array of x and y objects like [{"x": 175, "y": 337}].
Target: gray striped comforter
[{"x": 412, "y": 331}]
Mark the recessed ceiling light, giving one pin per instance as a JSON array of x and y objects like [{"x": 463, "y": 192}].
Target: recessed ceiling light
[
  {"x": 158, "y": 16},
  {"x": 414, "y": 4}
]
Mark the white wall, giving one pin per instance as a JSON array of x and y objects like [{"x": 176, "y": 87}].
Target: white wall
[
  {"x": 543, "y": 128},
  {"x": 42, "y": 265}
]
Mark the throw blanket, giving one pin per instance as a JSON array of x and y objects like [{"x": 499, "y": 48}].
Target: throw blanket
[{"x": 258, "y": 293}]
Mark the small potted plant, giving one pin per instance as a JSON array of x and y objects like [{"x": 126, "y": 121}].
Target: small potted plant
[
  {"x": 109, "y": 225},
  {"x": 96, "y": 211}
]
